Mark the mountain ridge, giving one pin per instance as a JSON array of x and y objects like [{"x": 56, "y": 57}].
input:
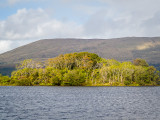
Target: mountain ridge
[{"x": 122, "y": 49}]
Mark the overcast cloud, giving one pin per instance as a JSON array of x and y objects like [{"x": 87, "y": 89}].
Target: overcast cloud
[{"x": 76, "y": 19}]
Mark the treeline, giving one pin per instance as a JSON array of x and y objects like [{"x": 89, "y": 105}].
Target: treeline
[{"x": 83, "y": 69}]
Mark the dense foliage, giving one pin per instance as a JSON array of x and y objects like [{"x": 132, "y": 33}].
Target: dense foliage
[
  {"x": 83, "y": 69},
  {"x": 4, "y": 80}
]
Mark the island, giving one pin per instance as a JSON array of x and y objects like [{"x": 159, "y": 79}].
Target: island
[{"x": 82, "y": 69}]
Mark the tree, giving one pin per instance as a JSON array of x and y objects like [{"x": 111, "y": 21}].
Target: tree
[
  {"x": 140, "y": 62},
  {"x": 4, "y": 80},
  {"x": 74, "y": 78}
]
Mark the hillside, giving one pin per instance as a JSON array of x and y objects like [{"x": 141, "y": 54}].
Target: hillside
[{"x": 121, "y": 49}]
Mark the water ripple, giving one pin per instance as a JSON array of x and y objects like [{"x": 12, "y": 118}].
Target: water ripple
[{"x": 79, "y": 103}]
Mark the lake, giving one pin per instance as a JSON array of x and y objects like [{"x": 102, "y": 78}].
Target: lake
[{"x": 79, "y": 103}]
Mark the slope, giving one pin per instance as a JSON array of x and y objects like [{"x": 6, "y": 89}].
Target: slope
[{"x": 121, "y": 49}]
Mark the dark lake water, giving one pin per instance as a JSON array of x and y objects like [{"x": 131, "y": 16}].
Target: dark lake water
[{"x": 79, "y": 103}]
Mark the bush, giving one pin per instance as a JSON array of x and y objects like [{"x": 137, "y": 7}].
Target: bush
[
  {"x": 127, "y": 82},
  {"x": 24, "y": 82},
  {"x": 56, "y": 81},
  {"x": 74, "y": 78},
  {"x": 4, "y": 80}
]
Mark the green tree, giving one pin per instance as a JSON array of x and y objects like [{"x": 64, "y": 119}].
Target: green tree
[
  {"x": 74, "y": 78},
  {"x": 4, "y": 80}
]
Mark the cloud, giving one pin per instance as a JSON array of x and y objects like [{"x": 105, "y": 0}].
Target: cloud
[
  {"x": 28, "y": 25},
  {"x": 121, "y": 18},
  {"x": 36, "y": 24},
  {"x": 114, "y": 19},
  {"x": 95, "y": 19},
  {"x": 5, "y": 46},
  {"x": 108, "y": 24},
  {"x": 151, "y": 26}
]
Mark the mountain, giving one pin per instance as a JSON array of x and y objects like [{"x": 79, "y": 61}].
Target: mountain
[{"x": 122, "y": 49}]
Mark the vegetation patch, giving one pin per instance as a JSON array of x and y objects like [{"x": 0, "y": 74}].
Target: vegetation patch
[{"x": 83, "y": 69}]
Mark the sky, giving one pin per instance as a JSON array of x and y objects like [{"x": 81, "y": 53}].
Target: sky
[{"x": 26, "y": 21}]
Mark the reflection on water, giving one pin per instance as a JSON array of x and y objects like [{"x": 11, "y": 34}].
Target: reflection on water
[{"x": 79, "y": 103}]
